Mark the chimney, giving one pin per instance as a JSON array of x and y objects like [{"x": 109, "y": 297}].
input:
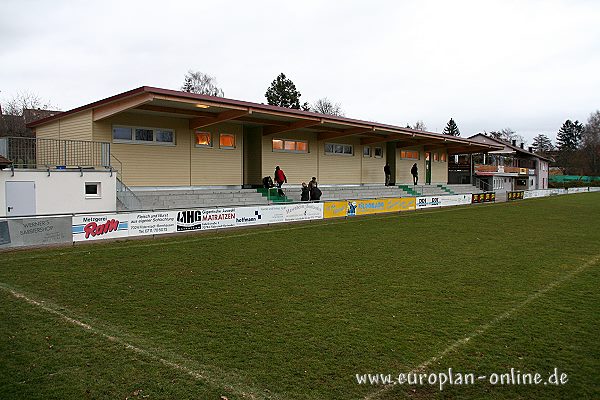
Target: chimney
[
  {"x": 522, "y": 144},
  {"x": 530, "y": 149},
  {"x": 514, "y": 142}
]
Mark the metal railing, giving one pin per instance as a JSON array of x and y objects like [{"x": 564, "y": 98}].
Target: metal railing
[
  {"x": 126, "y": 196},
  {"x": 481, "y": 184},
  {"x": 35, "y": 153}
]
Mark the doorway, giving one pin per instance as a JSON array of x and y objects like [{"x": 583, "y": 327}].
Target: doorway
[
  {"x": 427, "y": 168},
  {"x": 20, "y": 198}
]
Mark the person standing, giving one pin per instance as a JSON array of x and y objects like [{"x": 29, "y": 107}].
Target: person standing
[
  {"x": 388, "y": 174},
  {"x": 304, "y": 196},
  {"x": 415, "y": 173},
  {"x": 280, "y": 179}
]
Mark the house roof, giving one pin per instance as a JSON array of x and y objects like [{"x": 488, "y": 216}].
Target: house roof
[
  {"x": 509, "y": 145},
  {"x": 203, "y": 110}
]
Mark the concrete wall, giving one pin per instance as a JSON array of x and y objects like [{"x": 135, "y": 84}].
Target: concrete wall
[{"x": 63, "y": 192}]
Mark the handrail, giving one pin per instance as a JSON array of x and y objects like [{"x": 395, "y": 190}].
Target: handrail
[
  {"x": 481, "y": 184},
  {"x": 127, "y": 197}
]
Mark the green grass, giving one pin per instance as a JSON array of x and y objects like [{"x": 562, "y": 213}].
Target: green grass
[{"x": 295, "y": 311}]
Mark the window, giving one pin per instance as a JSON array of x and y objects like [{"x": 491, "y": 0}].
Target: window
[
  {"x": 92, "y": 189},
  {"x": 409, "y": 154},
  {"x": 436, "y": 157},
  {"x": 227, "y": 141},
  {"x": 443, "y": 157},
  {"x": 366, "y": 151},
  {"x": 203, "y": 139},
  {"x": 146, "y": 135},
  {"x": 339, "y": 149},
  {"x": 378, "y": 152},
  {"x": 121, "y": 133},
  {"x": 124, "y": 134},
  {"x": 290, "y": 146}
]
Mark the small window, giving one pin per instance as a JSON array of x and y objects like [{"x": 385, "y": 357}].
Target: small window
[
  {"x": 121, "y": 133},
  {"x": 203, "y": 139},
  {"x": 290, "y": 146},
  {"x": 92, "y": 189},
  {"x": 378, "y": 152},
  {"x": 339, "y": 149},
  {"x": 409, "y": 154},
  {"x": 227, "y": 141},
  {"x": 302, "y": 147},
  {"x": 144, "y": 135},
  {"x": 277, "y": 144},
  {"x": 444, "y": 157},
  {"x": 436, "y": 157},
  {"x": 164, "y": 136},
  {"x": 366, "y": 151}
]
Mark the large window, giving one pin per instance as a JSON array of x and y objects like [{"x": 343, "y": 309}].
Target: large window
[
  {"x": 227, "y": 141},
  {"x": 131, "y": 134},
  {"x": 339, "y": 149},
  {"x": 409, "y": 154},
  {"x": 203, "y": 139},
  {"x": 290, "y": 146}
]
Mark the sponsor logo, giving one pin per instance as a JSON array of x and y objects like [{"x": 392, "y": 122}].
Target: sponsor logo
[
  {"x": 93, "y": 229},
  {"x": 189, "y": 220}
]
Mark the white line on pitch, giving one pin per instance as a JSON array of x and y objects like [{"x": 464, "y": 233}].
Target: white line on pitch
[
  {"x": 483, "y": 328},
  {"x": 245, "y": 392}
]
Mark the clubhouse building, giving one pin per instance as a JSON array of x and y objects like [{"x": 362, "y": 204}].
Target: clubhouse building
[{"x": 159, "y": 138}]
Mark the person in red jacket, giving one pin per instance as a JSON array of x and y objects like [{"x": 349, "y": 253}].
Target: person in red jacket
[{"x": 280, "y": 179}]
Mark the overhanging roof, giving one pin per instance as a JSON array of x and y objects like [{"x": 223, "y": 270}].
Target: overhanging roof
[{"x": 203, "y": 110}]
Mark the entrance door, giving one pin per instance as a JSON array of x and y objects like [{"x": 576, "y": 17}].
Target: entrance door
[
  {"x": 427, "y": 168},
  {"x": 20, "y": 198}
]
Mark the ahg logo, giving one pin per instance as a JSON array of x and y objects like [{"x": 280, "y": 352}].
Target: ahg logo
[{"x": 189, "y": 220}]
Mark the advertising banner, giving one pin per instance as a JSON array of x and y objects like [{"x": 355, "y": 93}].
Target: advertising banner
[
  {"x": 486, "y": 197},
  {"x": 518, "y": 195},
  {"x": 189, "y": 220},
  {"x": 335, "y": 209},
  {"x": 152, "y": 223},
  {"x": 303, "y": 211},
  {"x": 35, "y": 231},
  {"x": 594, "y": 188},
  {"x": 577, "y": 190},
  {"x": 273, "y": 214},
  {"x": 443, "y": 201},
  {"x": 400, "y": 204},
  {"x": 245, "y": 216},
  {"x": 218, "y": 218},
  {"x": 100, "y": 226}
]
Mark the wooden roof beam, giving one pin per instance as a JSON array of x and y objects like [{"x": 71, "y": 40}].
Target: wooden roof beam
[
  {"x": 228, "y": 115},
  {"x": 345, "y": 132},
  {"x": 292, "y": 126},
  {"x": 119, "y": 106}
]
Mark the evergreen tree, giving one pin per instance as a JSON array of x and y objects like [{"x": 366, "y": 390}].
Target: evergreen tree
[
  {"x": 451, "y": 128},
  {"x": 568, "y": 137},
  {"x": 542, "y": 144},
  {"x": 283, "y": 93}
]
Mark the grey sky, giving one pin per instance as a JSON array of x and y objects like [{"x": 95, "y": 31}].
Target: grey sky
[{"x": 528, "y": 65}]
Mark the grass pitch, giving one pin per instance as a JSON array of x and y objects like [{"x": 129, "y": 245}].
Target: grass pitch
[{"x": 296, "y": 311}]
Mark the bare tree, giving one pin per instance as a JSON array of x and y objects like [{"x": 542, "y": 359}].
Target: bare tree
[
  {"x": 326, "y": 106},
  {"x": 20, "y": 109},
  {"x": 420, "y": 126},
  {"x": 507, "y": 135},
  {"x": 201, "y": 83},
  {"x": 590, "y": 146}
]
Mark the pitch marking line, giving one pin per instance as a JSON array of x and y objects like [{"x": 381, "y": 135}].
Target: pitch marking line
[
  {"x": 485, "y": 327},
  {"x": 247, "y": 393}
]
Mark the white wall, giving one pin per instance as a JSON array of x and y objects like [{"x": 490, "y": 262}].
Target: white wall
[{"x": 63, "y": 192}]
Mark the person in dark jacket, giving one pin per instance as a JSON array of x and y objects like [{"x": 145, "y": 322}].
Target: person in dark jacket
[
  {"x": 388, "y": 174},
  {"x": 415, "y": 173},
  {"x": 315, "y": 192},
  {"x": 280, "y": 179},
  {"x": 305, "y": 192}
]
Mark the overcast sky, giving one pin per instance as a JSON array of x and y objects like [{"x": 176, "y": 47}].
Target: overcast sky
[{"x": 528, "y": 65}]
